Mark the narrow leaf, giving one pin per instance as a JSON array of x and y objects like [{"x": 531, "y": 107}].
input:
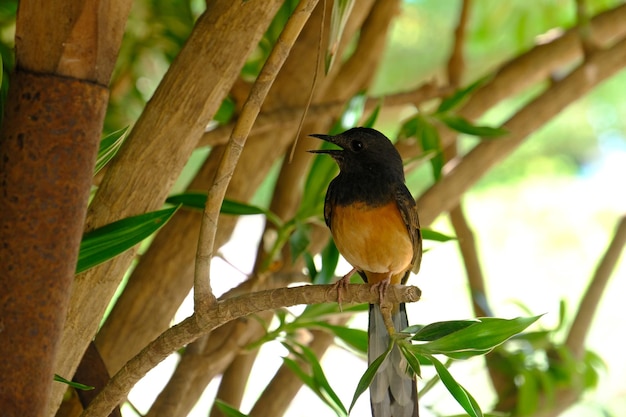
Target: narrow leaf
[
  {"x": 355, "y": 338},
  {"x": 108, "y": 148},
  {"x": 309, "y": 262},
  {"x": 368, "y": 376},
  {"x": 411, "y": 357},
  {"x": 197, "y": 200},
  {"x": 428, "y": 136},
  {"x": 426, "y": 133},
  {"x": 429, "y": 234},
  {"x": 371, "y": 119},
  {"x": 330, "y": 259},
  {"x": 478, "y": 338},
  {"x": 228, "y": 410},
  {"x": 299, "y": 240},
  {"x": 109, "y": 241},
  {"x": 321, "y": 382},
  {"x": 461, "y": 95},
  {"x": 460, "y": 394},
  {"x": 72, "y": 384},
  {"x": 437, "y": 330},
  {"x": 463, "y": 125},
  {"x": 339, "y": 17}
]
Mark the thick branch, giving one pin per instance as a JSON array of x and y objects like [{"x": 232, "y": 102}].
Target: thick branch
[
  {"x": 222, "y": 312},
  {"x": 126, "y": 190}
]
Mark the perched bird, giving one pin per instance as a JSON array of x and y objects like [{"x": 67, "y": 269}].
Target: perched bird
[{"x": 373, "y": 220}]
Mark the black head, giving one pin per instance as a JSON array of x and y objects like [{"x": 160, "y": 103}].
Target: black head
[{"x": 363, "y": 150}]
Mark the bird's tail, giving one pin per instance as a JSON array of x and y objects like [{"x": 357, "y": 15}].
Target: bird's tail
[{"x": 393, "y": 392}]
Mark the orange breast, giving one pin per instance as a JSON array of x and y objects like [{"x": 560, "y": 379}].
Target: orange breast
[{"x": 373, "y": 240}]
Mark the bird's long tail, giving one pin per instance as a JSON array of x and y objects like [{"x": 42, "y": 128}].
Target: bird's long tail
[{"x": 393, "y": 393}]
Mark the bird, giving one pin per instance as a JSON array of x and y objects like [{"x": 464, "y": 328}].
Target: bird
[{"x": 374, "y": 222}]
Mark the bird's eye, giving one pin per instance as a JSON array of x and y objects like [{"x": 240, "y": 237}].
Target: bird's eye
[{"x": 356, "y": 145}]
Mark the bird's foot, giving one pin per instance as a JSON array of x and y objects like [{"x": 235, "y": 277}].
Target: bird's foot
[
  {"x": 342, "y": 285},
  {"x": 386, "y": 307}
]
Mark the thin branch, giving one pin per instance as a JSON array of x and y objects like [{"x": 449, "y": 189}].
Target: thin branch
[
  {"x": 456, "y": 62},
  {"x": 582, "y": 322},
  {"x": 584, "y": 28},
  {"x": 469, "y": 253},
  {"x": 203, "y": 295},
  {"x": 222, "y": 312},
  {"x": 126, "y": 190},
  {"x": 289, "y": 117},
  {"x": 445, "y": 194}
]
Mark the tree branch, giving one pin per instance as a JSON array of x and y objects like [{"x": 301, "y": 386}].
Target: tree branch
[
  {"x": 203, "y": 295},
  {"x": 582, "y": 322},
  {"x": 126, "y": 190},
  {"x": 445, "y": 194},
  {"x": 456, "y": 62},
  {"x": 222, "y": 312}
]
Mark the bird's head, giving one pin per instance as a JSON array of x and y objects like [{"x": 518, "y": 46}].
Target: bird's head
[{"x": 363, "y": 150}]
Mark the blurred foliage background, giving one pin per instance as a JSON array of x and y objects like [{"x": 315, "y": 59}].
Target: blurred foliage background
[{"x": 542, "y": 218}]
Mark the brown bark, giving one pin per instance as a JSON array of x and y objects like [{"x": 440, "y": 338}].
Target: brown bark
[
  {"x": 48, "y": 146},
  {"x": 223, "y": 312},
  {"x": 179, "y": 111},
  {"x": 48, "y": 143},
  {"x": 445, "y": 194}
]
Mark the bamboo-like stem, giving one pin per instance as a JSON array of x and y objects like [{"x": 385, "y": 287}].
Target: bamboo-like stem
[
  {"x": 219, "y": 313},
  {"x": 203, "y": 296}
]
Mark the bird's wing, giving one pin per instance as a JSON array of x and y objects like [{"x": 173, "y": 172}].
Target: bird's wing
[{"x": 408, "y": 210}]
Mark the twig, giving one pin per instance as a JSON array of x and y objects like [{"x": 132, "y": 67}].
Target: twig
[
  {"x": 203, "y": 296},
  {"x": 318, "y": 65},
  {"x": 456, "y": 62},
  {"x": 469, "y": 253},
  {"x": 584, "y": 28},
  {"x": 445, "y": 194},
  {"x": 222, "y": 312},
  {"x": 582, "y": 322},
  {"x": 289, "y": 117}
]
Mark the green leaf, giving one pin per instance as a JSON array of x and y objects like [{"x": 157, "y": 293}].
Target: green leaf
[
  {"x": 352, "y": 113},
  {"x": 440, "y": 329},
  {"x": 228, "y": 410},
  {"x": 317, "y": 382},
  {"x": 429, "y": 234},
  {"x": 339, "y": 17},
  {"x": 462, "y": 125},
  {"x": 226, "y": 111},
  {"x": 197, "y": 200},
  {"x": 73, "y": 384},
  {"x": 330, "y": 259},
  {"x": 109, "y": 146},
  {"x": 477, "y": 339},
  {"x": 460, "y": 394},
  {"x": 411, "y": 357},
  {"x": 321, "y": 382},
  {"x": 426, "y": 133},
  {"x": 355, "y": 338},
  {"x": 309, "y": 263},
  {"x": 369, "y": 374},
  {"x": 528, "y": 393},
  {"x": 371, "y": 119},
  {"x": 108, "y": 241},
  {"x": 461, "y": 95},
  {"x": 299, "y": 240}
]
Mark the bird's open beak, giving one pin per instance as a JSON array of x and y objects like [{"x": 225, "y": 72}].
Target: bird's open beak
[{"x": 327, "y": 138}]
